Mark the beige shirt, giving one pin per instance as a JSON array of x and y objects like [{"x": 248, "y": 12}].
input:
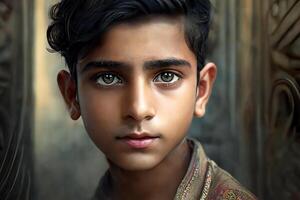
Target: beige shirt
[{"x": 204, "y": 180}]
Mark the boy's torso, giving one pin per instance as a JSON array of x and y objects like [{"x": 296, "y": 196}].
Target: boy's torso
[{"x": 203, "y": 180}]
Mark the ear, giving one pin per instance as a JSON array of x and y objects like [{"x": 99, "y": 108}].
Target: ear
[
  {"x": 68, "y": 90},
  {"x": 207, "y": 78}
]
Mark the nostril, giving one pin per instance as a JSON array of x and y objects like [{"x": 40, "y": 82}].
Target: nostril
[
  {"x": 138, "y": 113},
  {"x": 149, "y": 117}
]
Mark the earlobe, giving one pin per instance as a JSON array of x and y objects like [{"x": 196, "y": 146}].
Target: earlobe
[
  {"x": 68, "y": 90},
  {"x": 207, "y": 77},
  {"x": 199, "y": 110},
  {"x": 74, "y": 112}
]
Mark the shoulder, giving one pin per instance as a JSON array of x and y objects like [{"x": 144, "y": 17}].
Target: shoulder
[
  {"x": 225, "y": 187},
  {"x": 218, "y": 184}
]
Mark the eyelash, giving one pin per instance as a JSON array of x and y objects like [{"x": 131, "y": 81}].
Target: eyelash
[
  {"x": 101, "y": 76},
  {"x": 169, "y": 82},
  {"x": 119, "y": 81}
]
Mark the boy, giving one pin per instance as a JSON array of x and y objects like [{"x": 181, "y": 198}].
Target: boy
[{"x": 137, "y": 77}]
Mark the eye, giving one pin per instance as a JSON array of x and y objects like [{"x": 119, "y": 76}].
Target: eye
[
  {"x": 167, "y": 77},
  {"x": 108, "y": 79}
]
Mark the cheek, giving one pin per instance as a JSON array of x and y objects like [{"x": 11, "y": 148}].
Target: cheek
[
  {"x": 100, "y": 112},
  {"x": 177, "y": 110}
]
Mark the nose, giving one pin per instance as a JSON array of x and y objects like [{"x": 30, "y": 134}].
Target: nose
[{"x": 139, "y": 102}]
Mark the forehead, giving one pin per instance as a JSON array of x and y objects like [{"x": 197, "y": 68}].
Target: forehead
[{"x": 153, "y": 37}]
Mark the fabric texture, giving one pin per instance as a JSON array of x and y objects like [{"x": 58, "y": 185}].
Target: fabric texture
[{"x": 204, "y": 180}]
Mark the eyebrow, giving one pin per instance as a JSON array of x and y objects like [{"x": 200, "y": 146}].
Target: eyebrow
[
  {"x": 153, "y": 64},
  {"x": 102, "y": 64}
]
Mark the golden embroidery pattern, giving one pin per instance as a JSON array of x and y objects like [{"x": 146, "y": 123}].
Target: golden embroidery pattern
[
  {"x": 207, "y": 183},
  {"x": 229, "y": 195},
  {"x": 184, "y": 189}
]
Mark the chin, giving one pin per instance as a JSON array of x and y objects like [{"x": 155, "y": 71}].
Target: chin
[
  {"x": 140, "y": 163},
  {"x": 138, "y": 167}
]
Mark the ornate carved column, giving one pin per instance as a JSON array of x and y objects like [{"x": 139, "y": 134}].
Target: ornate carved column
[
  {"x": 254, "y": 114},
  {"x": 283, "y": 99},
  {"x": 15, "y": 100},
  {"x": 270, "y": 59}
]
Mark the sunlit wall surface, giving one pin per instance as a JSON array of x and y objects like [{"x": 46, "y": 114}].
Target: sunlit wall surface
[{"x": 67, "y": 163}]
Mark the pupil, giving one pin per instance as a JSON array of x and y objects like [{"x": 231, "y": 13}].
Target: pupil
[
  {"x": 108, "y": 78},
  {"x": 167, "y": 77}
]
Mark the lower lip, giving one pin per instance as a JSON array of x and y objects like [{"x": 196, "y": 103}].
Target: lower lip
[{"x": 139, "y": 143}]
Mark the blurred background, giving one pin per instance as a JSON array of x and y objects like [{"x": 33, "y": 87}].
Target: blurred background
[{"x": 251, "y": 129}]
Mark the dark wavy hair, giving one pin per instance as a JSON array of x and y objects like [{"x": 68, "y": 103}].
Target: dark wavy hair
[{"x": 77, "y": 25}]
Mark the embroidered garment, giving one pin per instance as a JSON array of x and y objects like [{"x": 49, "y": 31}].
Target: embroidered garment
[{"x": 204, "y": 180}]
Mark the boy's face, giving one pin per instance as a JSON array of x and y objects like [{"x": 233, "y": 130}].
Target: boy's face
[{"x": 137, "y": 91}]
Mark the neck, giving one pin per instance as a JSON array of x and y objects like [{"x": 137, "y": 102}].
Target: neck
[{"x": 160, "y": 182}]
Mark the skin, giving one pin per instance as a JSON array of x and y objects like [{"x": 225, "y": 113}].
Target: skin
[{"x": 141, "y": 100}]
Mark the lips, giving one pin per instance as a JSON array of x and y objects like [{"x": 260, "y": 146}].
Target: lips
[{"x": 138, "y": 140}]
